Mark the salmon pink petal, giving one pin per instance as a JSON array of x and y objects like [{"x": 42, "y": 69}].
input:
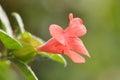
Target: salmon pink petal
[
  {"x": 75, "y": 28},
  {"x": 75, "y": 57},
  {"x": 71, "y": 18},
  {"x": 58, "y": 33},
  {"x": 77, "y": 45},
  {"x": 52, "y": 46}
]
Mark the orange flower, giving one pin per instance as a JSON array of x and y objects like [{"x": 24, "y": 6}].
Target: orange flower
[{"x": 67, "y": 41}]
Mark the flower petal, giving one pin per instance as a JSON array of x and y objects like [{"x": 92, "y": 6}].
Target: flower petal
[
  {"x": 75, "y": 57},
  {"x": 58, "y": 33},
  {"x": 52, "y": 46},
  {"x": 76, "y": 44},
  {"x": 75, "y": 28}
]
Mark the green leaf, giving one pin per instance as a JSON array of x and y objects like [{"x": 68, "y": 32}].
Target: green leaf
[
  {"x": 4, "y": 67},
  {"x": 19, "y": 21},
  {"x": 55, "y": 57},
  {"x": 9, "y": 41},
  {"x": 25, "y": 69},
  {"x": 3, "y": 70},
  {"x": 7, "y": 71},
  {"x": 5, "y": 22}
]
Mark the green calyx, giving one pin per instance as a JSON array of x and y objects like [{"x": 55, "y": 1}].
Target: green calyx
[{"x": 28, "y": 51}]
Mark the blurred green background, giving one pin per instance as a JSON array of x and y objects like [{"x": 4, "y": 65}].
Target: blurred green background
[{"x": 102, "y": 20}]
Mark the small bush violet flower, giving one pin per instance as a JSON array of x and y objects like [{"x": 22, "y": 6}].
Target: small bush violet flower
[{"x": 67, "y": 41}]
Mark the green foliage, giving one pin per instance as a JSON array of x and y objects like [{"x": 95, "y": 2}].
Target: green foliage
[
  {"x": 55, "y": 57},
  {"x": 4, "y": 66},
  {"x": 19, "y": 21},
  {"x": 23, "y": 47},
  {"x": 5, "y": 22},
  {"x": 6, "y": 72},
  {"x": 27, "y": 71},
  {"x": 30, "y": 43},
  {"x": 9, "y": 41}
]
